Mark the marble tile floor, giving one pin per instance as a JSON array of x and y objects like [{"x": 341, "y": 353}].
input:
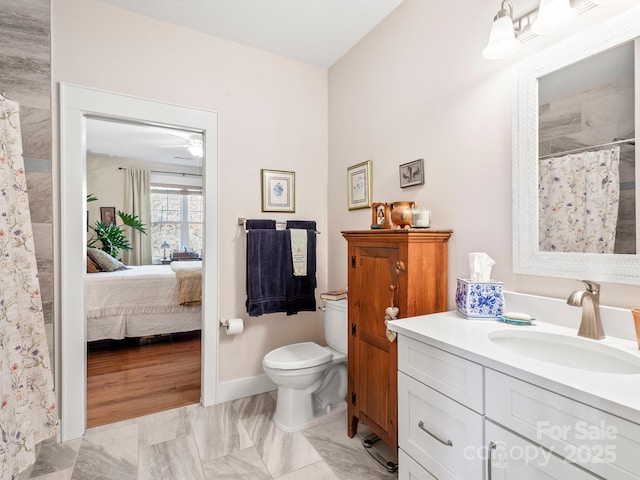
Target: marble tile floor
[{"x": 234, "y": 440}]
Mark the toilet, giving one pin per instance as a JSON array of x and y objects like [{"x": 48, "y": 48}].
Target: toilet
[{"x": 311, "y": 380}]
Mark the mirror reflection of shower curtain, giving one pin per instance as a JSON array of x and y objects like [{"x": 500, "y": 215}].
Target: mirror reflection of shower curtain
[
  {"x": 578, "y": 203},
  {"x": 137, "y": 201},
  {"x": 28, "y": 412}
]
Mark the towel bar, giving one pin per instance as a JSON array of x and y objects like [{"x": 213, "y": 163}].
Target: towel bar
[{"x": 243, "y": 222}]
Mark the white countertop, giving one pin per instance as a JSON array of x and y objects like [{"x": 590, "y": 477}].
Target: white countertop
[{"x": 618, "y": 394}]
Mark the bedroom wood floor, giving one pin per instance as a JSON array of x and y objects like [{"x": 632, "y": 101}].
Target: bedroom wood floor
[{"x": 128, "y": 381}]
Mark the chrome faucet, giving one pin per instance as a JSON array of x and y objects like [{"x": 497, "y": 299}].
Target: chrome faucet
[{"x": 589, "y": 300}]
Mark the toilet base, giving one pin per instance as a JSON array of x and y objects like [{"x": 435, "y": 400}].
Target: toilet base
[{"x": 305, "y": 415}]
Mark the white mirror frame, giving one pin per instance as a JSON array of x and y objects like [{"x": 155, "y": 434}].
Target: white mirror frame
[
  {"x": 76, "y": 103},
  {"x": 527, "y": 258}
]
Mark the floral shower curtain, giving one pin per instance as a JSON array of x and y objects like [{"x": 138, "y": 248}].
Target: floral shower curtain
[
  {"x": 27, "y": 402},
  {"x": 579, "y": 196}
]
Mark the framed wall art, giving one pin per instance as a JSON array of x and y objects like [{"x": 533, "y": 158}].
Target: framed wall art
[
  {"x": 108, "y": 215},
  {"x": 412, "y": 173},
  {"x": 278, "y": 191},
  {"x": 359, "y": 185}
]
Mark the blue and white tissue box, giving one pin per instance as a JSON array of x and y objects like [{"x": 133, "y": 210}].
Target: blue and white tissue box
[{"x": 479, "y": 299}]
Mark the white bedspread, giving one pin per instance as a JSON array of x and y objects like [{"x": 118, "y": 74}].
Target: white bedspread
[{"x": 115, "y": 298}]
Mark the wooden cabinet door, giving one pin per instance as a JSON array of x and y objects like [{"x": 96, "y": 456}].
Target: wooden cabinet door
[{"x": 372, "y": 358}]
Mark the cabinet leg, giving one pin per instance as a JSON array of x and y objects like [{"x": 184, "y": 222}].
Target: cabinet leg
[{"x": 352, "y": 426}]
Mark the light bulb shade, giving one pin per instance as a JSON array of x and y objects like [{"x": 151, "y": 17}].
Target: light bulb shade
[
  {"x": 502, "y": 39},
  {"x": 553, "y": 15},
  {"x": 165, "y": 245}
]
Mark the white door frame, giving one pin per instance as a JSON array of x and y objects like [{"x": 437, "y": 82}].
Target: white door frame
[{"x": 76, "y": 103}]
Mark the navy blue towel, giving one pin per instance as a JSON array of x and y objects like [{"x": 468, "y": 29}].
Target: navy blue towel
[
  {"x": 301, "y": 290},
  {"x": 271, "y": 285},
  {"x": 251, "y": 224},
  {"x": 301, "y": 224},
  {"x": 268, "y": 267}
]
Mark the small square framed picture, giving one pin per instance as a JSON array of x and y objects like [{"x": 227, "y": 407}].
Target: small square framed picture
[
  {"x": 359, "y": 183},
  {"x": 108, "y": 215},
  {"x": 412, "y": 173},
  {"x": 278, "y": 191}
]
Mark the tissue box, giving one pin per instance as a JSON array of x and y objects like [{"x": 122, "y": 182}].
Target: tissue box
[{"x": 479, "y": 299}]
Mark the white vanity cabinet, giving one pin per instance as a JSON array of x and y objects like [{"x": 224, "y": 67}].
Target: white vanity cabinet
[
  {"x": 440, "y": 410},
  {"x": 594, "y": 439},
  {"x": 456, "y": 416}
]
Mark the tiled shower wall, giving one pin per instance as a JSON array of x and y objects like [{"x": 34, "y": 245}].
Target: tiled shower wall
[{"x": 25, "y": 77}]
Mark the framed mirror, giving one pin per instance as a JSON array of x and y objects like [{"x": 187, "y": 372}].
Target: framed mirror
[{"x": 573, "y": 111}]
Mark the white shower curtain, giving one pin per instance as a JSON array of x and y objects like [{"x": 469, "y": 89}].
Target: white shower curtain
[
  {"x": 579, "y": 196},
  {"x": 137, "y": 201},
  {"x": 28, "y": 412}
]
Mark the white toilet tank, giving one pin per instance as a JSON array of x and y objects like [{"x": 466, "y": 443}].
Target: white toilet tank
[{"x": 335, "y": 324}]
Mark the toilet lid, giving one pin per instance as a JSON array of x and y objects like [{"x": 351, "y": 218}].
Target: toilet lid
[{"x": 298, "y": 355}]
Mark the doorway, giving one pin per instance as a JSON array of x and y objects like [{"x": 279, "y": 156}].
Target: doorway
[
  {"x": 143, "y": 343},
  {"x": 77, "y": 104}
]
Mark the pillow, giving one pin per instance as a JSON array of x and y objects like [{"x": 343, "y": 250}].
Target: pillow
[
  {"x": 91, "y": 266},
  {"x": 104, "y": 261}
]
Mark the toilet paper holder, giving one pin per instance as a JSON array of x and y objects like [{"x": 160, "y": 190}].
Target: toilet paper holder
[
  {"x": 232, "y": 326},
  {"x": 224, "y": 322}
]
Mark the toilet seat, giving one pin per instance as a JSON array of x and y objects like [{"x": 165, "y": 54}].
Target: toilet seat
[{"x": 297, "y": 356}]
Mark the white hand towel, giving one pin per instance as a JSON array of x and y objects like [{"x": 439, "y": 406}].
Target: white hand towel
[{"x": 299, "y": 252}]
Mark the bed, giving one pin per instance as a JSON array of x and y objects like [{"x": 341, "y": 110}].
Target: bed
[{"x": 144, "y": 300}]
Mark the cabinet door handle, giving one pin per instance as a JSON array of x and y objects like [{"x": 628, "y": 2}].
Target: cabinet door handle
[
  {"x": 492, "y": 447},
  {"x": 448, "y": 443}
]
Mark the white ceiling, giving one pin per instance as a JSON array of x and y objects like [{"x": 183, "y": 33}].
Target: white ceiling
[
  {"x": 141, "y": 142},
  {"x": 318, "y": 32}
]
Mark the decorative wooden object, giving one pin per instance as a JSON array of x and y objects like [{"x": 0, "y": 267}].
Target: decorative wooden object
[
  {"x": 401, "y": 214},
  {"x": 381, "y": 215},
  {"x": 403, "y": 268}
]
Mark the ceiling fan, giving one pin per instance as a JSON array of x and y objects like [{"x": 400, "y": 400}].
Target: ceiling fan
[{"x": 194, "y": 147}]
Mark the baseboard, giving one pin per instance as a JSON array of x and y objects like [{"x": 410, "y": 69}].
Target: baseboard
[{"x": 244, "y": 387}]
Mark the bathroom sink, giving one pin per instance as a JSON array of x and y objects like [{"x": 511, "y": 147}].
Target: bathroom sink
[{"x": 566, "y": 351}]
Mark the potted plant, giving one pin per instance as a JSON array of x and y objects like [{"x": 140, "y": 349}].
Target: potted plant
[{"x": 112, "y": 237}]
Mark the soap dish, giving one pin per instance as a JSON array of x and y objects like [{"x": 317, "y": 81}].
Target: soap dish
[{"x": 512, "y": 321}]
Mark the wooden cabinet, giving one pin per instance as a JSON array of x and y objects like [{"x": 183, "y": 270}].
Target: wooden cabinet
[{"x": 402, "y": 268}]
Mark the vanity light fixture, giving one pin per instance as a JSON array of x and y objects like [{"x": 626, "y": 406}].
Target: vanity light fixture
[
  {"x": 502, "y": 39},
  {"x": 508, "y": 33},
  {"x": 552, "y": 16}
]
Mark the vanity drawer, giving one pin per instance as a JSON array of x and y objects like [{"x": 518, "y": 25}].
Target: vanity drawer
[
  {"x": 438, "y": 432},
  {"x": 449, "y": 374},
  {"x": 596, "y": 440},
  {"x": 514, "y": 458},
  {"x": 410, "y": 470}
]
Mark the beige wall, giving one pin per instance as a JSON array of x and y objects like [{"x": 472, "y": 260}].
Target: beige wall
[
  {"x": 418, "y": 87},
  {"x": 273, "y": 114},
  {"x": 106, "y": 183}
]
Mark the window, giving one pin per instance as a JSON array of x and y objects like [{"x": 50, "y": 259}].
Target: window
[{"x": 176, "y": 218}]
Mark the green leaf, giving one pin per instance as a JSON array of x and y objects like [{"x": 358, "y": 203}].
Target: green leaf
[
  {"x": 132, "y": 221},
  {"x": 111, "y": 237}
]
